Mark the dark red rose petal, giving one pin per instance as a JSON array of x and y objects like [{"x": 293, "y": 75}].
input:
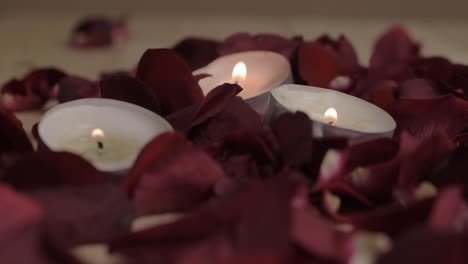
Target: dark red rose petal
[
  {"x": 450, "y": 211},
  {"x": 75, "y": 215},
  {"x": 451, "y": 169},
  {"x": 128, "y": 89},
  {"x": 241, "y": 42},
  {"x": 419, "y": 89},
  {"x": 214, "y": 103},
  {"x": 393, "y": 218},
  {"x": 318, "y": 65},
  {"x": 160, "y": 149},
  {"x": 294, "y": 135},
  {"x": 422, "y": 245},
  {"x": 98, "y": 32},
  {"x": 436, "y": 69},
  {"x": 171, "y": 79},
  {"x": 446, "y": 115},
  {"x": 348, "y": 59},
  {"x": 20, "y": 229},
  {"x": 16, "y": 96},
  {"x": 167, "y": 167},
  {"x": 42, "y": 81},
  {"x": 236, "y": 116},
  {"x": 51, "y": 169},
  {"x": 13, "y": 138},
  {"x": 420, "y": 163},
  {"x": 72, "y": 88},
  {"x": 317, "y": 235},
  {"x": 379, "y": 92},
  {"x": 197, "y": 52},
  {"x": 393, "y": 47}
]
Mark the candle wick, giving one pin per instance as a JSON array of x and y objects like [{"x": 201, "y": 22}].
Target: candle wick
[{"x": 100, "y": 145}]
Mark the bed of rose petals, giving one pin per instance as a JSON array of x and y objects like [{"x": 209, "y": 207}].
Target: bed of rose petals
[{"x": 250, "y": 192}]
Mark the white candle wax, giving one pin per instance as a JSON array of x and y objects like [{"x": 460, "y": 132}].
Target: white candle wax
[
  {"x": 264, "y": 70},
  {"x": 354, "y": 117},
  {"x": 123, "y": 130}
]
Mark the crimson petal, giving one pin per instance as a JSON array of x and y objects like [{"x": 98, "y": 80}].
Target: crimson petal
[
  {"x": 98, "y": 32},
  {"x": 128, "y": 89},
  {"x": 176, "y": 167},
  {"x": 16, "y": 96},
  {"x": 171, "y": 79},
  {"x": 317, "y": 65},
  {"x": 42, "y": 81},
  {"x": 294, "y": 135},
  {"x": 49, "y": 169},
  {"x": 13, "y": 138},
  {"x": 73, "y": 87},
  {"x": 392, "y": 48},
  {"x": 197, "y": 52},
  {"x": 75, "y": 215},
  {"x": 348, "y": 59},
  {"x": 446, "y": 115},
  {"x": 450, "y": 211},
  {"x": 419, "y": 89}
]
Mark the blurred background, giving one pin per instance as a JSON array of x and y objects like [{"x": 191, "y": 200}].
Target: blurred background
[{"x": 35, "y": 33}]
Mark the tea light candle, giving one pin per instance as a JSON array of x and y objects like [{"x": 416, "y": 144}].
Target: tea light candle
[
  {"x": 333, "y": 113},
  {"x": 108, "y": 133},
  {"x": 257, "y": 72}
]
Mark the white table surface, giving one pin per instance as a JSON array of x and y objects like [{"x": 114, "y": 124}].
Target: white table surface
[{"x": 36, "y": 40}]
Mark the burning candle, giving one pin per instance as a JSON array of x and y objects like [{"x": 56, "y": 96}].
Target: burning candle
[
  {"x": 257, "y": 72},
  {"x": 333, "y": 113},
  {"x": 107, "y": 133}
]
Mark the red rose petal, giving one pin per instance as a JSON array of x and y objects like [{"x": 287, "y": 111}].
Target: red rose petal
[
  {"x": 393, "y": 218},
  {"x": 49, "y": 169},
  {"x": 214, "y": 103},
  {"x": 98, "y": 32},
  {"x": 171, "y": 79},
  {"x": 318, "y": 65},
  {"x": 128, "y": 89},
  {"x": 419, "y": 89},
  {"x": 348, "y": 58},
  {"x": 75, "y": 215},
  {"x": 20, "y": 229},
  {"x": 167, "y": 166},
  {"x": 452, "y": 169},
  {"x": 42, "y": 81},
  {"x": 450, "y": 211},
  {"x": 241, "y": 42},
  {"x": 446, "y": 115},
  {"x": 379, "y": 92},
  {"x": 13, "y": 138},
  {"x": 197, "y": 52},
  {"x": 393, "y": 47},
  {"x": 420, "y": 163},
  {"x": 16, "y": 96},
  {"x": 294, "y": 135},
  {"x": 72, "y": 88},
  {"x": 422, "y": 245},
  {"x": 317, "y": 235},
  {"x": 236, "y": 116}
]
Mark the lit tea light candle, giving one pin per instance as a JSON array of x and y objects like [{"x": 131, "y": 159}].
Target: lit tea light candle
[
  {"x": 257, "y": 72},
  {"x": 331, "y": 116},
  {"x": 108, "y": 133},
  {"x": 239, "y": 73},
  {"x": 333, "y": 113}
]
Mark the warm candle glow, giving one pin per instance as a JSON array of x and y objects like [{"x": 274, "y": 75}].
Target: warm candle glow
[
  {"x": 239, "y": 73},
  {"x": 331, "y": 116},
  {"x": 97, "y": 133}
]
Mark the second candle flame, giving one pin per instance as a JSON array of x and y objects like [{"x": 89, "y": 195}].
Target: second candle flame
[
  {"x": 97, "y": 133},
  {"x": 239, "y": 73},
  {"x": 331, "y": 116}
]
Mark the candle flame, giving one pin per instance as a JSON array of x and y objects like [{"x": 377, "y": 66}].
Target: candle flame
[
  {"x": 331, "y": 116},
  {"x": 97, "y": 133},
  {"x": 239, "y": 73}
]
